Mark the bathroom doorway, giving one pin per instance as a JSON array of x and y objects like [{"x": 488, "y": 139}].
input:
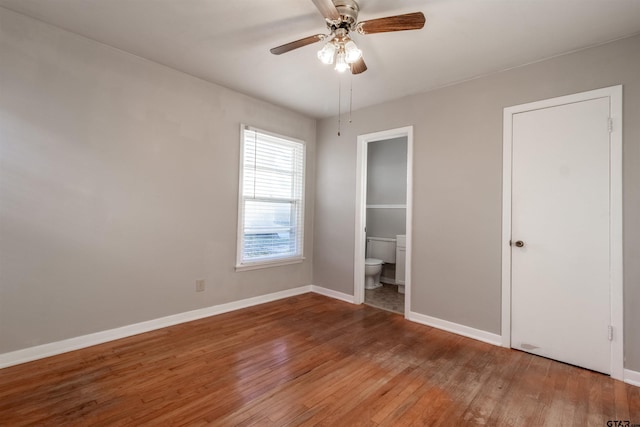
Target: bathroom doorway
[{"x": 383, "y": 219}]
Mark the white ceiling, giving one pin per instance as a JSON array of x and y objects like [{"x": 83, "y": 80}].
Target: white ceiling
[{"x": 227, "y": 42}]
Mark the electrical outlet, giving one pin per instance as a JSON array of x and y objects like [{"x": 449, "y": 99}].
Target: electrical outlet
[{"x": 199, "y": 285}]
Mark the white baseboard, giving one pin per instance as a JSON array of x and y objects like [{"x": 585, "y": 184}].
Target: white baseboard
[
  {"x": 41, "y": 351},
  {"x": 388, "y": 280},
  {"x": 632, "y": 377},
  {"x": 455, "y": 328},
  {"x": 333, "y": 294}
]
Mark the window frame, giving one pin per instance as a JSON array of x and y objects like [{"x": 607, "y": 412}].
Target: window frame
[{"x": 240, "y": 238}]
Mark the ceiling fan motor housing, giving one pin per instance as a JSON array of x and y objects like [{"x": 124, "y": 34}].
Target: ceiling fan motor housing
[{"x": 348, "y": 10}]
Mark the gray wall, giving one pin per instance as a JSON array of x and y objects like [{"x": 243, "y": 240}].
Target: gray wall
[
  {"x": 386, "y": 222},
  {"x": 387, "y": 172},
  {"x": 386, "y": 185},
  {"x": 457, "y": 184},
  {"x": 119, "y": 188}
]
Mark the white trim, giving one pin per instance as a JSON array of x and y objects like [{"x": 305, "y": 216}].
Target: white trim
[
  {"x": 46, "y": 350},
  {"x": 361, "y": 221},
  {"x": 240, "y": 231},
  {"x": 267, "y": 264},
  {"x": 632, "y": 377},
  {"x": 381, "y": 239},
  {"x": 614, "y": 93},
  {"x": 360, "y": 209},
  {"x": 273, "y": 134},
  {"x": 409, "y": 227},
  {"x": 455, "y": 328},
  {"x": 386, "y": 206},
  {"x": 616, "y": 255},
  {"x": 332, "y": 294},
  {"x": 300, "y": 217},
  {"x": 388, "y": 280},
  {"x": 506, "y": 229},
  {"x": 51, "y": 349}
]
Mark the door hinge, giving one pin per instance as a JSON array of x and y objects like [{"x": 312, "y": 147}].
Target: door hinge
[
  {"x": 610, "y": 333},
  {"x": 610, "y": 125}
]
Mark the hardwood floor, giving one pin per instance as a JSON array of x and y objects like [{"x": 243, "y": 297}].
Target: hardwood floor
[{"x": 308, "y": 360}]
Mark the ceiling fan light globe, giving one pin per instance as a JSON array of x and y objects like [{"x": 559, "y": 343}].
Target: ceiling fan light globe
[
  {"x": 327, "y": 53},
  {"x": 352, "y": 53},
  {"x": 341, "y": 63}
]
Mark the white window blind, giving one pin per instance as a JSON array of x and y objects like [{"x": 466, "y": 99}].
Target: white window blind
[{"x": 271, "y": 223}]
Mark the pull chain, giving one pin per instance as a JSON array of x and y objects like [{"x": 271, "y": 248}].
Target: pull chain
[
  {"x": 339, "y": 94},
  {"x": 350, "y": 96},
  {"x": 340, "y": 103}
]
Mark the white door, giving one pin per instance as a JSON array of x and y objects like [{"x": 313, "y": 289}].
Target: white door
[{"x": 560, "y": 287}]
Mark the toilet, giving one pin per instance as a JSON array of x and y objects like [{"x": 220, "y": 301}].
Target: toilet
[{"x": 378, "y": 251}]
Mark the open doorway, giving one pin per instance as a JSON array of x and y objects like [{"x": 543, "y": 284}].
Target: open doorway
[{"x": 383, "y": 219}]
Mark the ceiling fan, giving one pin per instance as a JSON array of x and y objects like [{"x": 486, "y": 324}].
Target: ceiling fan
[{"x": 342, "y": 17}]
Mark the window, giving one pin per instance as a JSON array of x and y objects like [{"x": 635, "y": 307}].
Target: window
[{"x": 271, "y": 201}]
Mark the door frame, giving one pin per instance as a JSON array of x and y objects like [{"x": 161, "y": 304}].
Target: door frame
[
  {"x": 614, "y": 93},
  {"x": 361, "y": 209}
]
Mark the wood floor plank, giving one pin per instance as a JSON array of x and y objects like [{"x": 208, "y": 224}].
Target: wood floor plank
[{"x": 307, "y": 360}]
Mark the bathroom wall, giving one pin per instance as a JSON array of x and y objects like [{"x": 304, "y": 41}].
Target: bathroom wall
[
  {"x": 119, "y": 188},
  {"x": 386, "y": 185}
]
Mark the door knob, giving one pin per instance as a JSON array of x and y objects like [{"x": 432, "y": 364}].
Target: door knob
[{"x": 519, "y": 243}]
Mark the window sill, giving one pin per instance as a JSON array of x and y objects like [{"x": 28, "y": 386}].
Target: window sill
[{"x": 268, "y": 264}]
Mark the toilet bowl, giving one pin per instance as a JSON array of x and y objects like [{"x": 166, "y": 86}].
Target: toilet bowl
[
  {"x": 379, "y": 250},
  {"x": 372, "y": 270}
]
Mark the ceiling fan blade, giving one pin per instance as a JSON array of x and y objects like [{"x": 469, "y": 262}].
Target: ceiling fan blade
[
  {"x": 358, "y": 67},
  {"x": 296, "y": 44},
  {"x": 409, "y": 21},
  {"x": 327, "y": 9}
]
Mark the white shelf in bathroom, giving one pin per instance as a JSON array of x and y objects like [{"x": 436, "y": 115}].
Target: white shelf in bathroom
[{"x": 386, "y": 206}]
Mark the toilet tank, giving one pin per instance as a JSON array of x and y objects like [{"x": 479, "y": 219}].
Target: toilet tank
[{"x": 382, "y": 248}]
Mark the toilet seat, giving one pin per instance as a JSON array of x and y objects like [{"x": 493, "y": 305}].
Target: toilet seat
[{"x": 373, "y": 261}]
